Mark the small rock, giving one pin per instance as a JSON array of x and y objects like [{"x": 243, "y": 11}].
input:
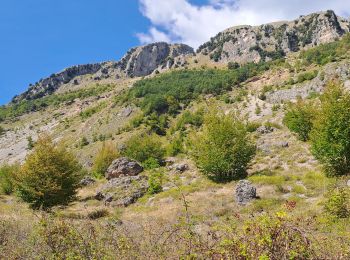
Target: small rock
[
  {"x": 265, "y": 129},
  {"x": 348, "y": 183},
  {"x": 123, "y": 167},
  {"x": 86, "y": 181},
  {"x": 245, "y": 192},
  {"x": 181, "y": 167},
  {"x": 284, "y": 144}
]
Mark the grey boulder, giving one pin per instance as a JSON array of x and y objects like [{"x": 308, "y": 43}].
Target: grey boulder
[
  {"x": 123, "y": 167},
  {"x": 245, "y": 192}
]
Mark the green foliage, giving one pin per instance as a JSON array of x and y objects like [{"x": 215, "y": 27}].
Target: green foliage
[
  {"x": 157, "y": 123},
  {"x": 223, "y": 150},
  {"x": 330, "y": 137},
  {"x": 49, "y": 176},
  {"x": 92, "y": 110},
  {"x": 166, "y": 93},
  {"x": 299, "y": 118},
  {"x": 175, "y": 145},
  {"x": 31, "y": 143},
  {"x": 233, "y": 65},
  {"x": 307, "y": 76},
  {"x": 326, "y": 53},
  {"x": 84, "y": 142},
  {"x": 338, "y": 203},
  {"x": 105, "y": 156},
  {"x": 189, "y": 118},
  {"x": 25, "y": 106},
  {"x": 155, "y": 182},
  {"x": 143, "y": 147},
  {"x": 7, "y": 178},
  {"x": 151, "y": 163}
]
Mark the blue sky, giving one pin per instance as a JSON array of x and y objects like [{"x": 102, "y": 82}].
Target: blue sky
[{"x": 41, "y": 37}]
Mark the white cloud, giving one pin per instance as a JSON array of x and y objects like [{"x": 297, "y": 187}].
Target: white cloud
[{"x": 182, "y": 21}]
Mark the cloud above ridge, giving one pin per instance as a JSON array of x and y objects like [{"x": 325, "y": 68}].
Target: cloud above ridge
[{"x": 193, "y": 24}]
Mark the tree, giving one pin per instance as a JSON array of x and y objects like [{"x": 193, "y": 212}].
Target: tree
[
  {"x": 299, "y": 119},
  {"x": 223, "y": 150},
  {"x": 106, "y": 155},
  {"x": 330, "y": 137},
  {"x": 7, "y": 178},
  {"x": 144, "y": 147},
  {"x": 49, "y": 176}
]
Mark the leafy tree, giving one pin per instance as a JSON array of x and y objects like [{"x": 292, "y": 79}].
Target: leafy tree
[
  {"x": 144, "y": 147},
  {"x": 105, "y": 156},
  {"x": 330, "y": 137},
  {"x": 7, "y": 178},
  {"x": 223, "y": 150},
  {"x": 49, "y": 176},
  {"x": 299, "y": 118}
]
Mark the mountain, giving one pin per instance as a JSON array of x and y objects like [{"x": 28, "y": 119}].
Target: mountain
[
  {"x": 138, "y": 62},
  {"x": 154, "y": 131},
  {"x": 261, "y": 43}
]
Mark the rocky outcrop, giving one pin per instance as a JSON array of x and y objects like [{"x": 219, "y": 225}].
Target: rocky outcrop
[
  {"x": 140, "y": 61},
  {"x": 144, "y": 60},
  {"x": 123, "y": 167},
  {"x": 245, "y": 192},
  {"x": 123, "y": 191},
  {"x": 244, "y": 44}
]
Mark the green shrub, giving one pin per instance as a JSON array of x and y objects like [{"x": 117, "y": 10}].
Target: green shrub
[
  {"x": 7, "y": 178},
  {"x": 299, "y": 119},
  {"x": 143, "y": 147},
  {"x": 338, "y": 203},
  {"x": 330, "y": 136},
  {"x": 31, "y": 143},
  {"x": 105, "y": 156},
  {"x": 307, "y": 76},
  {"x": 84, "y": 142},
  {"x": 49, "y": 176},
  {"x": 151, "y": 163},
  {"x": 155, "y": 181},
  {"x": 175, "y": 145},
  {"x": 223, "y": 150}
]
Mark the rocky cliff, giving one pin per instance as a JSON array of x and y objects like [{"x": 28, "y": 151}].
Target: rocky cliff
[
  {"x": 140, "y": 61},
  {"x": 244, "y": 44}
]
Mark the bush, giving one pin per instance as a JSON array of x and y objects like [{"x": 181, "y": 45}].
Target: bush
[
  {"x": 223, "y": 150},
  {"x": 307, "y": 76},
  {"x": 299, "y": 119},
  {"x": 155, "y": 183},
  {"x": 143, "y": 147},
  {"x": 330, "y": 137},
  {"x": 7, "y": 178},
  {"x": 338, "y": 203},
  {"x": 105, "y": 156},
  {"x": 49, "y": 176}
]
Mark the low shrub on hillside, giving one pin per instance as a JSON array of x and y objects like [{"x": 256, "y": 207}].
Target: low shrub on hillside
[
  {"x": 223, "y": 150},
  {"x": 49, "y": 176},
  {"x": 338, "y": 203},
  {"x": 7, "y": 178},
  {"x": 299, "y": 118},
  {"x": 105, "y": 156},
  {"x": 330, "y": 136},
  {"x": 144, "y": 147},
  {"x": 155, "y": 182}
]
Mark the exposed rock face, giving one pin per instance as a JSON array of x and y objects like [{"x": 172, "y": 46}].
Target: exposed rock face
[
  {"x": 144, "y": 60},
  {"x": 49, "y": 85},
  {"x": 245, "y": 192},
  {"x": 123, "y": 191},
  {"x": 140, "y": 61},
  {"x": 123, "y": 167},
  {"x": 86, "y": 181},
  {"x": 244, "y": 44}
]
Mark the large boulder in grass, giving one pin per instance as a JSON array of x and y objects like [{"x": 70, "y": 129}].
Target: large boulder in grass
[
  {"x": 123, "y": 167},
  {"x": 245, "y": 192}
]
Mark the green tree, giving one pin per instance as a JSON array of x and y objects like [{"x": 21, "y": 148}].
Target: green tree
[
  {"x": 49, "y": 176},
  {"x": 7, "y": 178},
  {"x": 330, "y": 137},
  {"x": 223, "y": 150},
  {"x": 144, "y": 147},
  {"x": 299, "y": 118},
  {"x": 105, "y": 156}
]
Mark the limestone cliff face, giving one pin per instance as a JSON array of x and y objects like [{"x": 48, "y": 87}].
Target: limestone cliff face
[
  {"x": 244, "y": 44},
  {"x": 140, "y": 61}
]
